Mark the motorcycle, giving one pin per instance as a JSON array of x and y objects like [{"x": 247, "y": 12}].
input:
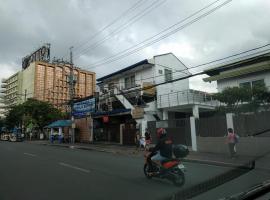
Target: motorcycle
[{"x": 171, "y": 169}]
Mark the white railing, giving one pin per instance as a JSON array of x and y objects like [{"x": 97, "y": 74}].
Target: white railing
[{"x": 184, "y": 98}]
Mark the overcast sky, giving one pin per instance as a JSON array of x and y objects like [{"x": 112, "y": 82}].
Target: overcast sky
[{"x": 27, "y": 24}]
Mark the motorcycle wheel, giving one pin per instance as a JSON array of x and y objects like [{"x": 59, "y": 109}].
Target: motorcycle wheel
[
  {"x": 146, "y": 171},
  {"x": 179, "y": 178}
]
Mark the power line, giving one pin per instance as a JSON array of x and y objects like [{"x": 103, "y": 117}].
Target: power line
[
  {"x": 126, "y": 12},
  {"x": 141, "y": 45},
  {"x": 122, "y": 27}
]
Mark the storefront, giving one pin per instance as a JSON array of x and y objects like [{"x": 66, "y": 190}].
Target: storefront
[{"x": 116, "y": 126}]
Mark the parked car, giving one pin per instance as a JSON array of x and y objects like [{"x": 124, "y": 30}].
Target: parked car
[
  {"x": 15, "y": 137},
  {"x": 5, "y": 136}
]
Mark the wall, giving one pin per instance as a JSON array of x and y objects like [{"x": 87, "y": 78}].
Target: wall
[
  {"x": 83, "y": 125},
  {"x": 234, "y": 82},
  {"x": 28, "y": 80},
  {"x": 247, "y": 146},
  {"x": 169, "y": 61}
]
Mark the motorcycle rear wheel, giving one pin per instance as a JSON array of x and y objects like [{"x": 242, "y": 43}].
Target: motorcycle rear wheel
[
  {"x": 179, "y": 178},
  {"x": 146, "y": 171}
]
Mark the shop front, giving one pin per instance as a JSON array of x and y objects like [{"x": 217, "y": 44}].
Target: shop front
[{"x": 116, "y": 126}]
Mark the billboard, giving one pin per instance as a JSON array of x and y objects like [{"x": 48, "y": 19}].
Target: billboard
[
  {"x": 84, "y": 108},
  {"x": 41, "y": 54}
]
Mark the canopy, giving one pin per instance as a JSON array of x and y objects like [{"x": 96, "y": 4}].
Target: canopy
[{"x": 59, "y": 123}]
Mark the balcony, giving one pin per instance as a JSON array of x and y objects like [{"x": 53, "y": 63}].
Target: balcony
[
  {"x": 4, "y": 80},
  {"x": 187, "y": 97},
  {"x": 3, "y": 85}
]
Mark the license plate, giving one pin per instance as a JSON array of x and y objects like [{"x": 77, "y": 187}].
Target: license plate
[{"x": 181, "y": 166}]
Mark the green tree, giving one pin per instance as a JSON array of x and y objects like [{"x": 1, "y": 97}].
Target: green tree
[{"x": 33, "y": 111}]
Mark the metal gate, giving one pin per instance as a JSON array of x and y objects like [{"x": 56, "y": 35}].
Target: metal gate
[{"x": 178, "y": 130}]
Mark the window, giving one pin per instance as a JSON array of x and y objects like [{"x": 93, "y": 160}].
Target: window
[
  {"x": 160, "y": 71},
  {"x": 130, "y": 82},
  {"x": 168, "y": 75},
  {"x": 252, "y": 84}
]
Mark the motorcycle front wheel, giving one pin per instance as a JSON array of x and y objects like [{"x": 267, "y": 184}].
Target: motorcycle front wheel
[
  {"x": 179, "y": 178},
  {"x": 146, "y": 168}
]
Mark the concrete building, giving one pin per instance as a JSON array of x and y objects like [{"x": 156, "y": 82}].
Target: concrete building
[
  {"x": 47, "y": 82},
  {"x": 145, "y": 91},
  {"x": 247, "y": 72},
  {"x": 11, "y": 91}
]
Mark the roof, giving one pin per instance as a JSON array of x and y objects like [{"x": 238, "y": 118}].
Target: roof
[
  {"x": 240, "y": 71},
  {"x": 59, "y": 123},
  {"x": 237, "y": 63},
  {"x": 124, "y": 69},
  {"x": 112, "y": 113}
]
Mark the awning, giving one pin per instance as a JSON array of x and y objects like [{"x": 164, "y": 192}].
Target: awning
[
  {"x": 115, "y": 112},
  {"x": 59, "y": 123},
  {"x": 240, "y": 71}
]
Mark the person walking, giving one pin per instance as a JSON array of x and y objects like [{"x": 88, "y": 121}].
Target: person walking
[
  {"x": 137, "y": 139},
  {"x": 147, "y": 139},
  {"x": 231, "y": 140}
]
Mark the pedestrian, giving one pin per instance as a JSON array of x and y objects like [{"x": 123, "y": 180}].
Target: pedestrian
[
  {"x": 137, "y": 139},
  {"x": 231, "y": 140},
  {"x": 147, "y": 139}
]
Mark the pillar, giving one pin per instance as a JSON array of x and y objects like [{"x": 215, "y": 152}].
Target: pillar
[
  {"x": 193, "y": 134},
  {"x": 165, "y": 115},
  {"x": 195, "y": 111},
  {"x": 229, "y": 120}
]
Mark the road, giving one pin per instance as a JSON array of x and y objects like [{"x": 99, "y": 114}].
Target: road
[{"x": 30, "y": 171}]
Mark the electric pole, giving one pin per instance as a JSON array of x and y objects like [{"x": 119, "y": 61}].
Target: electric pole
[
  {"x": 25, "y": 93},
  {"x": 71, "y": 87}
]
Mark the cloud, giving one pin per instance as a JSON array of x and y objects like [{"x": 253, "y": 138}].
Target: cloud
[{"x": 26, "y": 25}]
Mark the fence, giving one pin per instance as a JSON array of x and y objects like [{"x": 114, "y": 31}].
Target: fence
[{"x": 178, "y": 130}]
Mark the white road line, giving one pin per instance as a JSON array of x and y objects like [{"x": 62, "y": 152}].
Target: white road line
[
  {"x": 74, "y": 167},
  {"x": 30, "y": 154}
]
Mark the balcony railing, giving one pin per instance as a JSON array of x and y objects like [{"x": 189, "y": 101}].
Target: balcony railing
[{"x": 185, "y": 98}]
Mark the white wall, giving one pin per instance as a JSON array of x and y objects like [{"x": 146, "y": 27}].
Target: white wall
[
  {"x": 234, "y": 82},
  {"x": 179, "y": 70}
]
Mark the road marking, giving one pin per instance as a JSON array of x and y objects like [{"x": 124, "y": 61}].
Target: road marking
[
  {"x": 30, "y": 154},
  {"x": 74, "y": 167}
]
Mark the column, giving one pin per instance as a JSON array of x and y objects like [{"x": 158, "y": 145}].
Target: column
[
  {"x": 165, "y": 115},
  {"x": 195, "y": 111},
  {"x": 229, "y": 120},
  {"x": 193, "y": 134}
]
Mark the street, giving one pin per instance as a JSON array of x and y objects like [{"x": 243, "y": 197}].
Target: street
[{"x": 30, "y": 171}]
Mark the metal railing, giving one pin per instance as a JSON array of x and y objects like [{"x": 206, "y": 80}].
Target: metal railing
[{"x": 184, "y": 98}]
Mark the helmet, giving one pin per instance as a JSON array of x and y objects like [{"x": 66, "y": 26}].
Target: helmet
[{"x": 160, "y": 132}]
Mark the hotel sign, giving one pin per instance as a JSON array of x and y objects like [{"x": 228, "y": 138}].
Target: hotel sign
[{"x": 41, "y": 54}]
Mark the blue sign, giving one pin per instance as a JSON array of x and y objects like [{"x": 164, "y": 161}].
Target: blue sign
[{"x": 84, "y": 108}]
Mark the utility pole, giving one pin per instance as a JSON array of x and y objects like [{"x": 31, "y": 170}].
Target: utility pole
[
  {"x": 71, "y": 88},
  {"x": 25, "y": 93}
]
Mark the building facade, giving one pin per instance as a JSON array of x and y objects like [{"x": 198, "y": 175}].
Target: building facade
[
  {"x": 153, "y": 89},
  {"x": 47, "y": 82},
  {"x": 247, "y": 72}
]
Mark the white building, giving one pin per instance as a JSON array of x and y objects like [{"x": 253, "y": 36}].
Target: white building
[
  {"x": 246, "y": 72},
  {"x": 150, "y": 90}
]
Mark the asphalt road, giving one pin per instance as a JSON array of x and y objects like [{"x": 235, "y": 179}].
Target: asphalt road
[{"x": 29, "y": 171}]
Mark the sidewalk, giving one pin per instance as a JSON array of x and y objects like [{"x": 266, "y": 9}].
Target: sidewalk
[{"x": 198, "y": 157}]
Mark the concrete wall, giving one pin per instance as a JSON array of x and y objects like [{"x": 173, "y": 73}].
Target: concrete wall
[
  {"x": 28, "y": 80},
  {"x": 171, "y": 62},
  {"x": 248, "y": 146},
  {"x": 84, "y": 125},
  {"x": 234, "y": 82}
]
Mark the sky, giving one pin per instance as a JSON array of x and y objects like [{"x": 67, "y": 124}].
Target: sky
[{"x": 100, "y": 29}]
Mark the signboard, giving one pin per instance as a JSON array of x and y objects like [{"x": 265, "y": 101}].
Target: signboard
[
  {"x": 137, "y": 113},
  {"x": 42, "y": 54},
  {"x": 149, "y": 89},
  {"x": 84, "y": 108}
]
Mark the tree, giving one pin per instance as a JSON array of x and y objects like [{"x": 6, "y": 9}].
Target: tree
[{"x": 33, "y": 111}]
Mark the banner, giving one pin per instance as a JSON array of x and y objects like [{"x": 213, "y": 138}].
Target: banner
[{"x": 84, "y": 108}]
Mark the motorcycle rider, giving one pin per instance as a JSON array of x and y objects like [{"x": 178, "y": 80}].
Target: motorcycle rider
[{"x": 163, "y": 149}]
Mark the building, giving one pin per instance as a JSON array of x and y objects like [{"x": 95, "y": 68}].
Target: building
[
  {"x": 50, "y": 82},
  {"x": 11, "y": 88},
  {"x": 150, "y": 90},
  {"x": 47, "y": 82},
  {"x": 247, "y": 72}
]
